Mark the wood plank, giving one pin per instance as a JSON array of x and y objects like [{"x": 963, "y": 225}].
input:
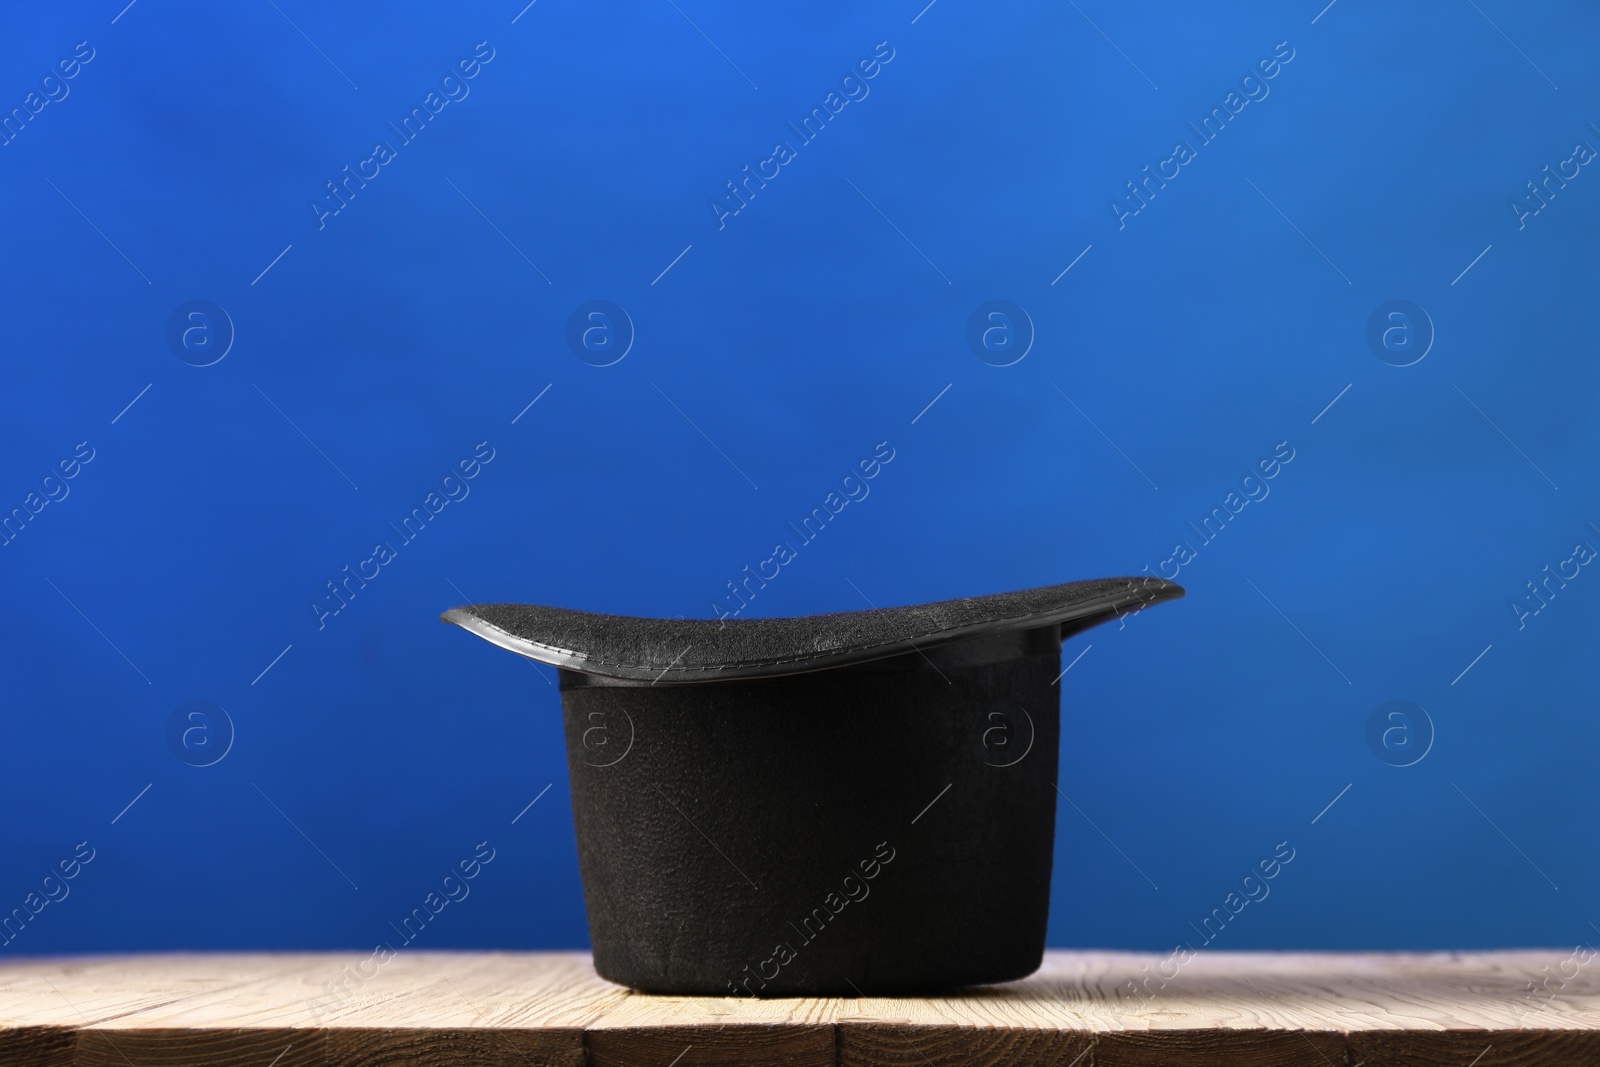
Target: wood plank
[
  {"x": 155, "y": 1047},
  {"x": 1461, "y": 1048},
  {"x": 642, "y": 1029},
  {"x": 482, "y": 1047},
  {"x": 1205, "y": 1048},
  {"x": 769, "y": 1045},
  {"x": 1082, "y": 1009},
  {"x": 876, "y": 1044},
  {"x": 38, "y": 1046}
]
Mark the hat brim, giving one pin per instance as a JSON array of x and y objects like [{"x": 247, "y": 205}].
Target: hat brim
[{"x": 697, "y": 651}]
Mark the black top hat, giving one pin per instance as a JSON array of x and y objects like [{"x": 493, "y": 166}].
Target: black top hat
[{"x": 860, "y": 802}]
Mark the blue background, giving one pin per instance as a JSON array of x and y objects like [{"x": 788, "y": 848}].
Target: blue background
[{"x": 375, "y": 353}]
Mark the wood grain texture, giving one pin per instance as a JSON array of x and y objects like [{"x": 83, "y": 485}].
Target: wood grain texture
[
  {"x": 38, "y": 1046},
  {"x": 1082, "y": 1009},
  {"x": 871, "y": 1044},
  {"x": 1459, "y": 1048},
  {"x": 159, "y": 1047},
  {"x": 1203, "y": 1048},
  {"x": 483, "y": 1047},
  {"x": 734, "y": 1046}
]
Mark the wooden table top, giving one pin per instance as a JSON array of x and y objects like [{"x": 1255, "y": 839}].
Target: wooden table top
[{"x": 1082, "y": 1009}]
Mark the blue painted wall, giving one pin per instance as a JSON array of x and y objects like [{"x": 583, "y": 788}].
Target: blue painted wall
[{"x": 189, "y": 485}]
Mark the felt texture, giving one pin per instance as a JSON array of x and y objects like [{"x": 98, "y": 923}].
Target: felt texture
[
  {"x": 686, "y": 651},
  {"x": 726, "y": 833}
]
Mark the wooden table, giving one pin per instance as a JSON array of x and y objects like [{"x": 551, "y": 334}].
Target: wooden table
[{"x": 524, "y": 1009}]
